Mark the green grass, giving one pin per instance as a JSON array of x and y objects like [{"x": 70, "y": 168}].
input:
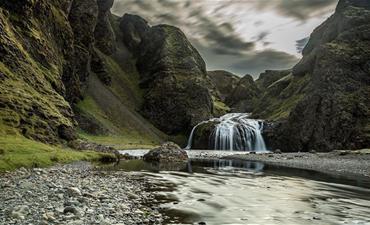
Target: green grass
[
  {"x": 18, "y": 151},
  {"x": 129, "y": 141}
]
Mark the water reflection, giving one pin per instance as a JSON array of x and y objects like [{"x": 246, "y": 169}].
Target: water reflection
[{"x": 240, "y": 192}]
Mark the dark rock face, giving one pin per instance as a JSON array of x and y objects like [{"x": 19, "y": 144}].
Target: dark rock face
[
  {"x": 244, "y": 95},
  {"x": 98, "y": 66},
  {"x": 173, "y": 75},
  {"x": 83, "y": 18},
  {"x": 46, "y": 49},
  {"x": 224, "y": 82},
  {"x": 203, "y": 136},
  {"x": 135, "y": 29},
  {"x": 104, "y": 34},
  {"x": 168, "y": 152},
  {"x": 270, "y": 76},
  {"x": 335, "y": 112}
]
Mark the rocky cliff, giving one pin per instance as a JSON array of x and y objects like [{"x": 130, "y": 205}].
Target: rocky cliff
[
  {"x": 71, "y": 69},
  {"x": 35, "y": 57},
  {"x": 335, "y": 111},
  {"x": 323, "y": 102},
  {"x": 173, "y": 75},
  {"x": 62, "y": 66}
]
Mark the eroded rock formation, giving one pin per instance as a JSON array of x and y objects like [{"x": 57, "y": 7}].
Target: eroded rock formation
[{"x": 172, "y": 72}]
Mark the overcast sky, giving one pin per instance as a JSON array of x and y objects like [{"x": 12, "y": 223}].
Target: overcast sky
[{"x": 241, "y": 36}]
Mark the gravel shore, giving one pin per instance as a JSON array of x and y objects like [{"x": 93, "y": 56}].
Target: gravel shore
[
  {"x": 342, "y": 163},
  {"x": 75, "y": 194}
]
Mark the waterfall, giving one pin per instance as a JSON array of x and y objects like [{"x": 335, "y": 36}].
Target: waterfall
[{"x": 234, "y": 131}]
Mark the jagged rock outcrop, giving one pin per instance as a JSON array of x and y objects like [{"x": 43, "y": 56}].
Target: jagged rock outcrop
[
  {"x": 104, "y": 34},
  {"x": 334, "y": 113},
  {"x": 173, "y": 75},
  {"x": 83, "y": 18},
  {"x": 244, "y": 95},
  {"x": 224, "y": 82},
  {"x": 268, "y": 77}
]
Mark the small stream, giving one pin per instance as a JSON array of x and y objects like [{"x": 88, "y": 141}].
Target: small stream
[{"x": 243, "y": 192}]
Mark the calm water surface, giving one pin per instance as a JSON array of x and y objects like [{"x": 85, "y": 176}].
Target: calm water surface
[{"x": 240, "y": 192}]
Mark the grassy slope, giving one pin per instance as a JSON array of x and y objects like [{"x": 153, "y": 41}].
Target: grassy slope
[
  {"x": 116, "y": 107},
  {"x": 281, "y": 97},
  {"x": 17, "y": 151}
]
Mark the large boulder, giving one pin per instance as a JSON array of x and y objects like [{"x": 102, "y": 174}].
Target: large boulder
[
  {"x": 168, "y": 152},
  {"x": 173, "y": 75}
]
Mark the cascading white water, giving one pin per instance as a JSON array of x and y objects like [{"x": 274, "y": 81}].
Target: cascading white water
[{"x": 234, "y": 131}]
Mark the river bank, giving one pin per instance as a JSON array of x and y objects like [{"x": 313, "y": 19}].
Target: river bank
[
  {"x": 337, "y": 163},
  {"x": 75, "y": 194}
]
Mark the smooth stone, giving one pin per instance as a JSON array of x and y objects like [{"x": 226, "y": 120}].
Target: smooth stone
[
  {"x": 74, "y": 191},
  {"x": 70, "y": 209}
]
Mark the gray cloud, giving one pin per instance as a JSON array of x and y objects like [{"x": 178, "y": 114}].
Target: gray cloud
[
  {"x": 299, "y": 9},
  {"x": 262, "y": 35},
  {"x": 300, "y": 44},
  {"x": 215, "y": 35},
  {"x": 260, "y": 61},
  {"x": 229, "y": 42}
]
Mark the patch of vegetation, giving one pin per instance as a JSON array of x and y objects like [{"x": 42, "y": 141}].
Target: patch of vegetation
[
  {"x": 18, "y": 151},
  {"x": 130, "y": 141},
  {"x": 281, "y": 97},
  {"x": 219, "y": 108},
  {"x": 28, "y": 91}
]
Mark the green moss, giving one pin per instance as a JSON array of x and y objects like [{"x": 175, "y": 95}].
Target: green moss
[
  {"x": 281, "y": 97},
  {"x": 28, "y": 88},
  {"x": 17, "y": 151},
  {"x": 219, "y": 108}
]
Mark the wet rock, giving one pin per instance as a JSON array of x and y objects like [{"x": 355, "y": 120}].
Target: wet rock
[{"x": 168, "y": 152}]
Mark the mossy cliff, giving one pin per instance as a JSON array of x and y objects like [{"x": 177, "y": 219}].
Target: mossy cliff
[
  {"x": 64, "y": 74},
  {"x": 334, "y": 112},
  {"x": 172, "y": 75},
  {"x": 33, "y": 61},
  {"x": 70, "y": 69}
]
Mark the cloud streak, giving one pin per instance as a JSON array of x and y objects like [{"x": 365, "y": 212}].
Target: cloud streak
[{"x": 246, "y": 36}]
